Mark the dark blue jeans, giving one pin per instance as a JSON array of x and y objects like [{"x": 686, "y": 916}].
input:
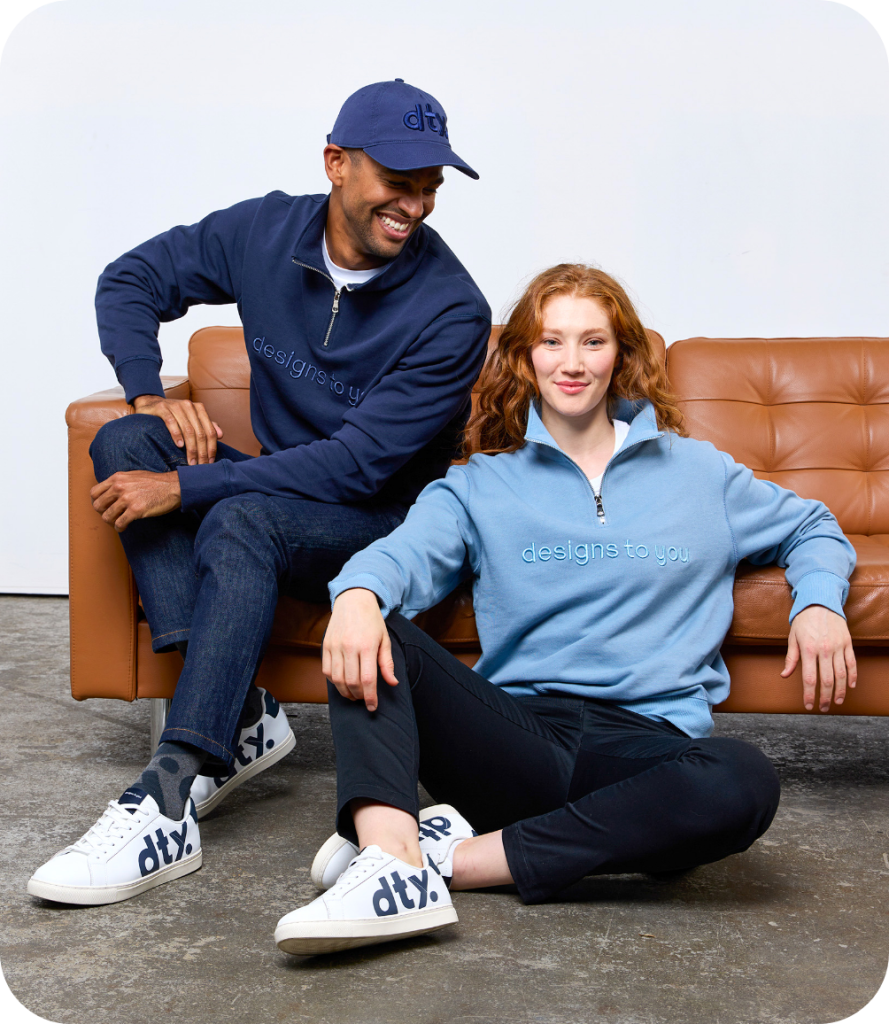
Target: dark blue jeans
[
  {"x": 579, "y": 787},
  {"x": 213, "y": 579}
]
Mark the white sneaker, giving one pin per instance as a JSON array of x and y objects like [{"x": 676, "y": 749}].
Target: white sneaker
[
  {"x": 131, "y": 848},
  {"x": 378, "y": 898},
  {"x": 259, "y": 747},
  {"x": 442, "y": 829}
]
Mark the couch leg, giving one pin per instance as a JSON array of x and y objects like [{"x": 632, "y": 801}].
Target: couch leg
[{"x": 160, "y": 708}]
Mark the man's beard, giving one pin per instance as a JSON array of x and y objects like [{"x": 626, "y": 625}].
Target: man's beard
[{"x": 370, "y": 245}]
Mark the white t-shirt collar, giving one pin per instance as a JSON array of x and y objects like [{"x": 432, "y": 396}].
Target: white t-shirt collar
[{"x": 343, "y": 278}]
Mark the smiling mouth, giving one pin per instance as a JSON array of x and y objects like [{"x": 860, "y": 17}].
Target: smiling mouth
[
  {"x": 570, "y": 387},
  {"x": 393, "y": 227}
]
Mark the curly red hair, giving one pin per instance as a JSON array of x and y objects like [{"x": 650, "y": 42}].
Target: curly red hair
[{"x": 508, "y": 384}]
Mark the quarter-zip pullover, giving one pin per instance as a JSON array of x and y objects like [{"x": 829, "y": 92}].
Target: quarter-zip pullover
[
  {"x": 634, "y": 610},
  {"x": 353, "y": 393}
]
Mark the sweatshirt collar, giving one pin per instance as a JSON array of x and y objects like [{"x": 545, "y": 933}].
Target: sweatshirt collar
[
  {"x": 639, "y": 414},
  {"x": 308, "y": 252}
]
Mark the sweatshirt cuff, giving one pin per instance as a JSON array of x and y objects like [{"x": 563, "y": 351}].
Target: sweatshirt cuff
[
  {"x": 820, "y": 587},
  {"x": 202, "y": 486},
  {"x": 366, "y": 581},
  {"x": 140, "y": 377}
]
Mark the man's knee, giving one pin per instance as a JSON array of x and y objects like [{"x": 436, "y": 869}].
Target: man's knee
[
  {"x": 131, "y": 442},
  {"x": 236, "y": 529}
]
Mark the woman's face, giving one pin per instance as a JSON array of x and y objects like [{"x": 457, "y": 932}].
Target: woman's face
[{"x": 574, "y": 358}]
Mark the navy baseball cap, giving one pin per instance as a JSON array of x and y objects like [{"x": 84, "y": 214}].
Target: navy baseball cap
[{"x": 397, "y": 124}]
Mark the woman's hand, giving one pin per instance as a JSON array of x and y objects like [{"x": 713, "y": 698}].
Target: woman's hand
[
  {"x": 821, "y": 638},
  {"x": 356, "y": 642}
]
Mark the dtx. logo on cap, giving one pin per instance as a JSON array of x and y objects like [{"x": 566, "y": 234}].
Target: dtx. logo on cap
[
  {"x": 417, "y": 118},
  {"x": 399, "y": 126}
]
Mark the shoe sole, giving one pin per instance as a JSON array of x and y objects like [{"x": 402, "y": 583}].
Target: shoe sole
[
  {"x": 99, "y": 895},
  {"x": 333, "y": 844},
  {"x": 259, "y": 765},
  {"x": 310, "y": 938}
]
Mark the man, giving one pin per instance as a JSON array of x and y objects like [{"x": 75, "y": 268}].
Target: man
[{"x": 365, "y": 335}]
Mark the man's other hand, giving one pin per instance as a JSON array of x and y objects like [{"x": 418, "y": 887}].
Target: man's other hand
[
  {"x": 188, "y": 423},
  {"x": 125, "y": 497},
  {"x": 820, "y": 639}
]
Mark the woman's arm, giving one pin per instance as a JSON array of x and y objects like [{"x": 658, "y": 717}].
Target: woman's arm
[
  {"x": 356, "y": 642},
  {"x": 771, "y": 524},
  {"x": 410, "y": 570}
]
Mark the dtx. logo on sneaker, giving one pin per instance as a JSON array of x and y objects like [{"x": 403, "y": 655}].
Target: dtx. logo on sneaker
[
  {"x": 385, "y": 904},
  {"x": 417, "y": 118},
  {"x": 149, "y": 861},
  {"x": 435, "y": 828}
]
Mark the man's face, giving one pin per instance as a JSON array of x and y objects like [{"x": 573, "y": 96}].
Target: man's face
[{"x": 381, "y": 208}]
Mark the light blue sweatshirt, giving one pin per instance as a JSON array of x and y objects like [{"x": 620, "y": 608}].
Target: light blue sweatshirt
[{"x": 633, "y": 610}]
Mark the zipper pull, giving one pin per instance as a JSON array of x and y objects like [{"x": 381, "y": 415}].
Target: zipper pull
[
  {"x": 600, "y": 508},
  {"x": 336, "y": 302}
]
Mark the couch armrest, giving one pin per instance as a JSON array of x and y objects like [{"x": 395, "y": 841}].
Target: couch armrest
[{"x": 103, "y": 602}]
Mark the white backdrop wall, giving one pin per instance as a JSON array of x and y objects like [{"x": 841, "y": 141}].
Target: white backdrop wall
[{"x": 726, "y": 159}]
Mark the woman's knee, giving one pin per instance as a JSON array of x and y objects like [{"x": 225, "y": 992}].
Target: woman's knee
[{"x": 742, "y": 785}]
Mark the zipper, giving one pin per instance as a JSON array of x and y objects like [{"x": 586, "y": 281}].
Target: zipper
[
  {"x": 335, "y": 308},
  {"x": 600, "y": 507}
]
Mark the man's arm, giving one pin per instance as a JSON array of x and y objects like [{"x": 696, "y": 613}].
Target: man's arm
[
  {"x": 157, "y": 282},
  {"x": 406, "y": 410},
  {"x": 397, "y": 418}
]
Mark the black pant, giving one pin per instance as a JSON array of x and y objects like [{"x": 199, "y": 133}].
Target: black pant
[{"x": 579, "y": 786}]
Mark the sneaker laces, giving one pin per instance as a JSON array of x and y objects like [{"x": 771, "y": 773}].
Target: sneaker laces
[
  {"x": 364, "y": 863},
  {"x": 112, "y": 827}
]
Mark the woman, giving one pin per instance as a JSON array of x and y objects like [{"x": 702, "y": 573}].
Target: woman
[{"x": 602, "y": 544}]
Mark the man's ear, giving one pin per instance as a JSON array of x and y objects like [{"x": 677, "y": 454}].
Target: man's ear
[{"x": 336, "y": 164}]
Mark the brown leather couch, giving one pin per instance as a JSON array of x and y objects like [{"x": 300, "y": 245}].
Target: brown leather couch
[{"x": 811, "y": 414}]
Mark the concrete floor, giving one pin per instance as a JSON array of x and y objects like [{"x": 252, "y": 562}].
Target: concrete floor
[{"x": 794, "y": 930}]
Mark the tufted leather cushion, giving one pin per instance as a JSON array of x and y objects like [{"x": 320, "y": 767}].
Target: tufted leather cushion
[{"x": 811, "y": 414}]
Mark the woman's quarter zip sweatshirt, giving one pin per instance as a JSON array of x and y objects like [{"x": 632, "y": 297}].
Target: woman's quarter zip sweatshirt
[
  {"x": 634, "y": 610},
  {"x": 335, "y": 386}
]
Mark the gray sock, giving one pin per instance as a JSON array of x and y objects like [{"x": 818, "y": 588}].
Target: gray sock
[{"x": 169, "y": 775}]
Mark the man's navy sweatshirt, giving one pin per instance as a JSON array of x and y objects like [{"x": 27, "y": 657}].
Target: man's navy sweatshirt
[{"x": 352, "y": 395}]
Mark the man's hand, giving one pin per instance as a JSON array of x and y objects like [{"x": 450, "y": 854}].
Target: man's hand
[
  {"x": 188, "y": 423},
  {"x": 356, "y": 642},
  {"x": 821, "y": 638},
  {"x": 125, "y": 497}
]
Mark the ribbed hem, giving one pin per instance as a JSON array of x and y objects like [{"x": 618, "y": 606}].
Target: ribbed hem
[
  {"x": 140, "y": 377},
  {"x": 820, "y": 587},
  {"x": 364, "y": 581},
  {"x": 202, "y": 486}
]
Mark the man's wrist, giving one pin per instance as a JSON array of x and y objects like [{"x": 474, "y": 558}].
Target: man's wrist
[
  {"x": 147, "y": 399},
  {"x": 173, "y": 481}
]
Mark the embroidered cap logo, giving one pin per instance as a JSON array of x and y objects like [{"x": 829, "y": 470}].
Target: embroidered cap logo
[{"x": 416, "y": 119}]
